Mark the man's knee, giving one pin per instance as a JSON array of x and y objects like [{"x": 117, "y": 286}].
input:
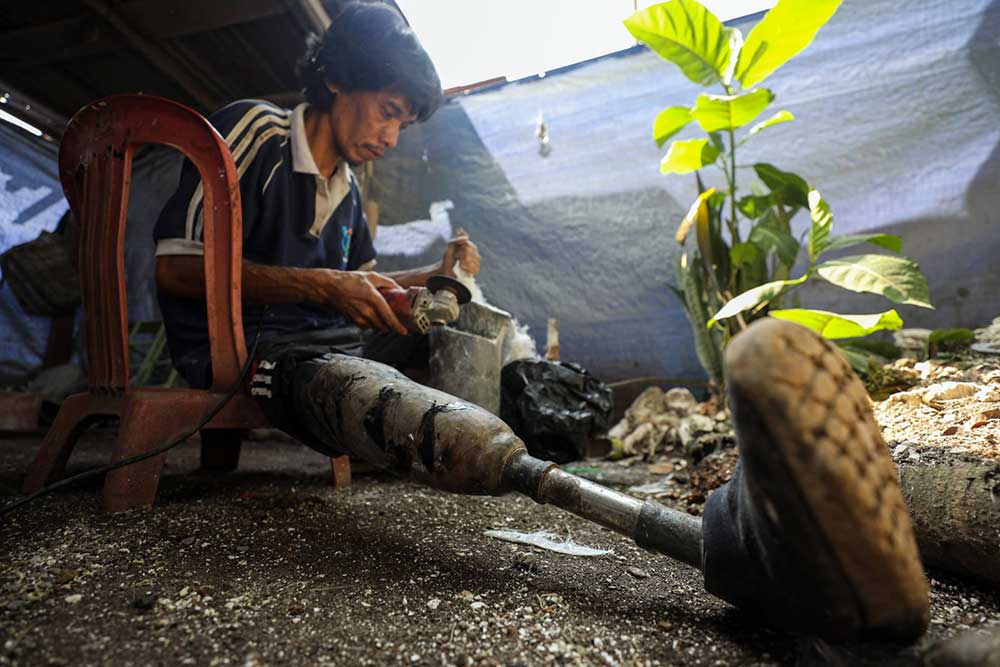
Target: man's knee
[{"x": 403, "y": 352}]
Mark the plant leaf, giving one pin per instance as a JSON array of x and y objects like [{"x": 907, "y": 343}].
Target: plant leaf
[
  {"x": 860, "y": 362},
  {"x": 708, "y": 344},
  {"x": 716, "y": 138},
  {"x": 699, "y": 209},
  {"x": 687, "y": 156},
  {"x": 784, "y": 31},
  {"x": 686, "y": 34},
  {"x": 735, "y": 45},
  {"x": 896, "y": 278},
  {"x": 822, "y": 224},
  {"x": 749, "y": 265},
  {"x": 711, "y": 245},
  {"x": 834, "y": 325},
  {"x": 939, "y": 336},
  {"x": 729, "y": 112},
  {"x": 754, "y": 206},
  {"x": 880, "y": 348},
  {"x": 778, "y": 118},
  {"x": 782, "y": 243},
  {"x": 745, "y": 253},
  {"x": 669, "y": 122},
  {"x": 754, "y": 297},
  {"x": 887, "y": 241},
  {"x": 787, "y": 187}
]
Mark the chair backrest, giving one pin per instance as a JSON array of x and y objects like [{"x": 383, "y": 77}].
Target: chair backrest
[{"x": 95, "y": 166}]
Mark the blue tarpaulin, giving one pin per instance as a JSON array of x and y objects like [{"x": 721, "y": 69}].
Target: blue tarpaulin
[
  {"x": 898, "y": 121},
  {"x": 31, "y": 201}
]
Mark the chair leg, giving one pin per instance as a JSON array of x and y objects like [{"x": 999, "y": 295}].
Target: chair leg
[
  {"x": 50, "y": 461},
  {"x": 220, "y": 449},
  {"x": 145, "y": 425},
  {"x": 341, "y": 467}
]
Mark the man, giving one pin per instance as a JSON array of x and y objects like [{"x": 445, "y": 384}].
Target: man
[
  {"x": 798, "y": 536},
  {"x": 307, "y": 250}
]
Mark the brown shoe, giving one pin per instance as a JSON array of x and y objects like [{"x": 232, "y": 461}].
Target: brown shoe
[{"x": 812, "y": 532}]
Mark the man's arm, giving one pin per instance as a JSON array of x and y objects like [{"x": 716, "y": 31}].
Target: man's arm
[
  {"x": 355, "y": 294},
  {"x": 460, "y": 249}
]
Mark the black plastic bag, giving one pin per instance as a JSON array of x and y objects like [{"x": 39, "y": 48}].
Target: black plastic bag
[{"x": 554, "y": 406}]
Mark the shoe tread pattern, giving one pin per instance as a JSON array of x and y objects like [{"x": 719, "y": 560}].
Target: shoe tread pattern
[{"x": 818, "y": 412}]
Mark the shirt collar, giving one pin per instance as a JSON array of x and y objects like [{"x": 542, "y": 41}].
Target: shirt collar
[{"x": 302, "y": 157}]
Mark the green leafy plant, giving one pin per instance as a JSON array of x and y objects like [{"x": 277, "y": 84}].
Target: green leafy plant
[{"x": 741, "y": 268}]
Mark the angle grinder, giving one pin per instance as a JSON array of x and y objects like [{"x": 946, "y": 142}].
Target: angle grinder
[{"x": 419, "y": 308}]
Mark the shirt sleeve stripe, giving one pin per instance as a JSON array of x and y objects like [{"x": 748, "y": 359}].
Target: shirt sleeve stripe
[
  {"x": 179, "y": 247},
  {"x": 242, "y": 166},
  {"x": 256, "y": 118},
  {"x": 270, "y": 176}
]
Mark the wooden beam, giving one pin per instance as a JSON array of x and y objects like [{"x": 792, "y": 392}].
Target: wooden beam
[
  {"x": 167, "y": 19},
  {"x": 217, "y": 83},
  {"x": 155, "y": 54},
  {"x": 319, "y": 20},
  {"x": 32, "y": 111},
  {"x": 468, "y": 88},
  {"x": 287, "y": 98},
  {"x": 155, "y": 19},
  {"x": 53, "y": 42},
  {"x": 309, "y": 15}
]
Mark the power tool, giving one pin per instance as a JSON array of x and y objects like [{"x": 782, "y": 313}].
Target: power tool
[{"x": 418, "y": 308}]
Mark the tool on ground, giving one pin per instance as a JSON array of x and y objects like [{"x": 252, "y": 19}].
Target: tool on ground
[{"x": 418, "y": 308}]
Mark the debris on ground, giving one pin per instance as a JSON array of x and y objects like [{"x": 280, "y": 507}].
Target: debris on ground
[
  {"x": 972, "y": 648},
  {"x": 912, "y": 343},
  {"x": 943, "y": 432},
  {"x": 659, "y": 421},
  {"x": 988, "y": 338},
  {"x": 951, "y": 403},
  {"x": 544, "y": 539},
  {"x": 687, "y": 447}
]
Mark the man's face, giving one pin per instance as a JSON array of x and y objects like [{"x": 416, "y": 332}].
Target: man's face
[{"x": 366, "y": 123}]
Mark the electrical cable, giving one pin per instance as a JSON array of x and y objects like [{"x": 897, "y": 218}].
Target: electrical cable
[{"x": 103, "y": 470}]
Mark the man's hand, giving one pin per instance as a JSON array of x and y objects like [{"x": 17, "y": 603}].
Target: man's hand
[
  {"x": 355, "y": 294},
  {"x": 460, "y": 249}
]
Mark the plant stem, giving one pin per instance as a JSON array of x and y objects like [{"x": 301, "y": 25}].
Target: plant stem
[
  {"x": 732, "y": 184},
  {"x": 734, "y": 229}
]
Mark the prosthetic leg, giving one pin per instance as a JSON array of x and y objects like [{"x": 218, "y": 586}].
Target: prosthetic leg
[{"x": 812, "y": 532}]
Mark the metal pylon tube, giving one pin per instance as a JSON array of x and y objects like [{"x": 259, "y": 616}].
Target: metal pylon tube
[{"x": 652, "y": 526}]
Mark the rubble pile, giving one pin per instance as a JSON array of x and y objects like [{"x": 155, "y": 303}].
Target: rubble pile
[
  {"x": 954, "y": 404},
  {"x": 661, "y": 421},
  {"x": 988, "y": 338}
]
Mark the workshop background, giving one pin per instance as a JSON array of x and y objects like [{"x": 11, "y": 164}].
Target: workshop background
[{"x": 898, "y": 139}]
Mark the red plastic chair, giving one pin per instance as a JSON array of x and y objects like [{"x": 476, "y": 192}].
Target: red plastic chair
[{"x": 95, "y": 166}]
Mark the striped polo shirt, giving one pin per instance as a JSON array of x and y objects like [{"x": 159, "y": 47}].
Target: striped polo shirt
[{"x": 292, "y": 216}]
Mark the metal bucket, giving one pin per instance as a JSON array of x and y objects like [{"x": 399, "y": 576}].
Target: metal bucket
[{"x": 466, "y": 357}]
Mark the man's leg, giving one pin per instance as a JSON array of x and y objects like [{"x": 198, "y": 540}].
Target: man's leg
[
  {"x": 403, "y": 352},
  {"x": 812, "y": 532},
  {"x": 285, "y": 360}
]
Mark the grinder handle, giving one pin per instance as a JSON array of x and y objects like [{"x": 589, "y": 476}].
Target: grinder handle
[{"x": 399, "y": 301}]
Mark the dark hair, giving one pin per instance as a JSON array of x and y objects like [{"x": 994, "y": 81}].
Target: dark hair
[{"x": 368, "y": 46}]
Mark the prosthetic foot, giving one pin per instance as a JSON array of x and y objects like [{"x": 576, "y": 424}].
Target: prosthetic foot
[{"x": 812, "y": 532}]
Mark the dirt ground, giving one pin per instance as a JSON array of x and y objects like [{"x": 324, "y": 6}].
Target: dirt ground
[{"x": 270, "y": 565}]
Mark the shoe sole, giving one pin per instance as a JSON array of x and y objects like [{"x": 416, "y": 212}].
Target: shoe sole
[{"x": 811, "y": 406}]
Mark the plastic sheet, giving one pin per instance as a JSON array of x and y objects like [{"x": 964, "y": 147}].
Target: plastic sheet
[
  {"x": 553, "y": 407},
  {"x": 549, "y": 541}
]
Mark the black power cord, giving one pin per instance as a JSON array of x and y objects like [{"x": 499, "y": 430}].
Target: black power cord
[{"x": 103, "y": 470}]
